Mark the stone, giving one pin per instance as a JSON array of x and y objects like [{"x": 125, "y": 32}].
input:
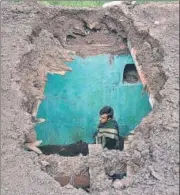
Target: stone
[
  {"x": 34, "y": 146},
  {"x": 94, "y": 25},
  {"x": 156, "y": 22},
  {"x": 31, "y": 137},
  {"x": 81, "y": 181},
  {"x": 69, "y": 186},
  {"x": 63, "y": 180},
  {"x": 44, "y": 163},
  {"x": 120, "y": 184},
  {"x": 117, "y": 184}
]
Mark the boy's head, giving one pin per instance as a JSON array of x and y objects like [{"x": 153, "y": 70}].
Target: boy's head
[{"x": 106, "y": 113}]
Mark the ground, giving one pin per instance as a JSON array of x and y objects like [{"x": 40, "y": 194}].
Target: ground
[{"x": 38, "y": 39}]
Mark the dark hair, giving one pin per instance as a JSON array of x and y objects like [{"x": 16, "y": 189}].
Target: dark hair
[{"x": 107, "y": 110}]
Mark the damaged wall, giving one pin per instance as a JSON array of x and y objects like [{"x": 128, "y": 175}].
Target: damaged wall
[
  {"x": 28, "y": 53},
  {"x": 94, "y": 81},
  {"x": 90, "y": 33}
]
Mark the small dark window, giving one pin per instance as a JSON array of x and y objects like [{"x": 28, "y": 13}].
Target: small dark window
[{"x": 130, "y": 74}]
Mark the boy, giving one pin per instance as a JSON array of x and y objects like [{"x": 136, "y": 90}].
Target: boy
[{"x": 108, "y": 130}]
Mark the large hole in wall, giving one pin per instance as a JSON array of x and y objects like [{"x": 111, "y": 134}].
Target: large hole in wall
[
  {"x": 68, "y": 114},
  {"x": 71, "y": 103}
]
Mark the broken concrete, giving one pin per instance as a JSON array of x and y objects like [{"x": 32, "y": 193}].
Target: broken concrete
[
  {"x": 38, "y": 39},
  {"x": 96, "y": 169}
]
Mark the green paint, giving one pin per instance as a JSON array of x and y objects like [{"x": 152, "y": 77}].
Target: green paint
[{"x": 72, "y": 102}]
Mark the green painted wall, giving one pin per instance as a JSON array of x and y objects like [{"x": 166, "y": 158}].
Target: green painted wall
[{"x": 72, "y": 102}]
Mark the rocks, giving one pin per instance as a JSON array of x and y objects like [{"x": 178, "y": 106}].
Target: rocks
[
  {"x": 44, "y": 164},
  {"x": 79, "y": 181},
  {"x": 30, "y": 136},
  {"x": 28, "y": 178},
  {"x": 121, "y": 184},
  {"x": 94, "y": 25},
  {"x": 154, "y": 173},
  {"x": 34, "y": 146},
  {"x": 96, "y": 168},
  {"x": 31, "y": 143},
  {"x": 156, "y": 22},
  {"x": 63, "y": 180}
]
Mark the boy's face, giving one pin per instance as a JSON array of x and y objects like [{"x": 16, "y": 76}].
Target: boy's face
[{"x": 103, "y": 118}]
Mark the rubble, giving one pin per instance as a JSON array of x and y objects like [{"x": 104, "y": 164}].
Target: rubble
[{"x": 28, "y": 53}]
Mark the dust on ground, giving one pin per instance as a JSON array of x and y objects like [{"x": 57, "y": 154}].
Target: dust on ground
[{"x": 38, "y": 39}]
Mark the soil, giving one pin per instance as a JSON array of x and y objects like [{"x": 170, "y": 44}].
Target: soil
[{"x": 37, "y": 39}]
